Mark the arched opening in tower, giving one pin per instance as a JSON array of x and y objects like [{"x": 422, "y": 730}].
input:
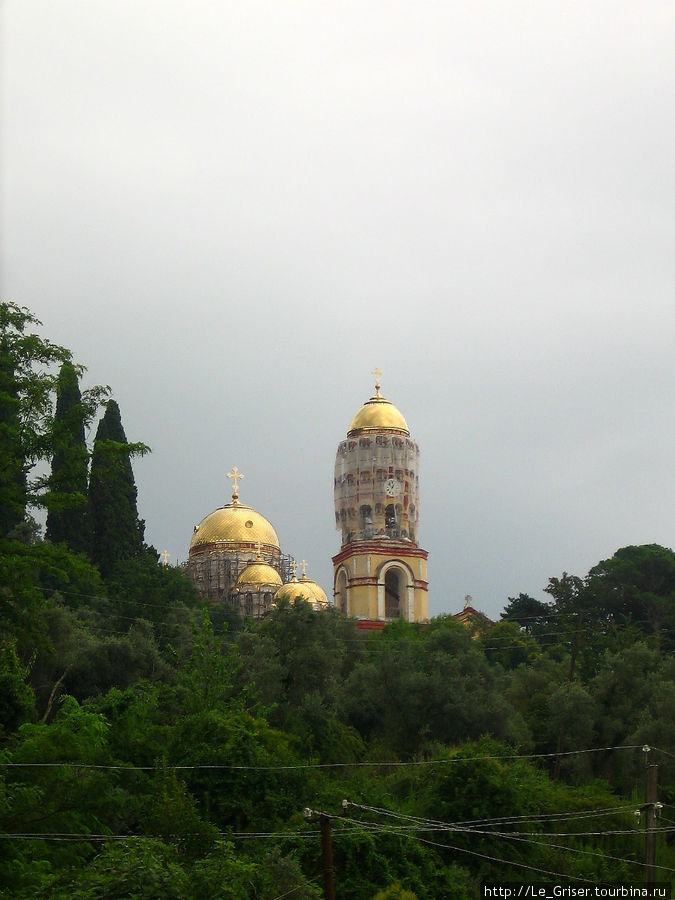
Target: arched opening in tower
[
  {"x": 393, "y": 589},
  {"x": 341, "y": 594}
]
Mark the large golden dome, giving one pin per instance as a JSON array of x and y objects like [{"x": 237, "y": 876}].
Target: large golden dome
[
  {"x": 234, "y": 524},
  {"x": 378, "y": 414}
]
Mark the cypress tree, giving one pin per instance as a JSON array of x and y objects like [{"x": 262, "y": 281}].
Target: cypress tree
[
  {"x": 68, "y": 515},
  {"x": 117, "y": 532}
]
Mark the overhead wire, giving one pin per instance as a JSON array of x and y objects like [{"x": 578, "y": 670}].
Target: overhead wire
[
  {"x": 523, "y": 837},
  {"x": 503, "y": 820},
  {"x": 293, "y": 890},
  {"x": 334, "y": 765},
  {"x": 531, "y": 838},
  {"x": 420, "y": 824},
  {"x": 508, "y": 862},
  {"x": 431, "y": 824}
]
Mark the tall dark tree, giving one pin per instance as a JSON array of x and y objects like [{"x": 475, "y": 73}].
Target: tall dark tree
[
  {"x": 117, "y": 532},
  {"x": 67, "y": 517}
]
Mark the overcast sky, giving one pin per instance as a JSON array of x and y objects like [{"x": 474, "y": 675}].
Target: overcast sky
[{"x": 232, "y": 212}]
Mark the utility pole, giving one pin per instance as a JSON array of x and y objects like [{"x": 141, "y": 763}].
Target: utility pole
[
  {"x": 326, "y": 851},
  {"x": 652, "y": 809},
  {"x": 327, "y": 857},
  {"x": 650, "y": 825},
  {"x": 570, "y": 678}
]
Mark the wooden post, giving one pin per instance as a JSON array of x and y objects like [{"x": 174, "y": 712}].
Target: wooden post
[
  {"x": 650, "y": 825},
  {"x": 570, "y": 678},
  {"x": 327, "y": 857}
]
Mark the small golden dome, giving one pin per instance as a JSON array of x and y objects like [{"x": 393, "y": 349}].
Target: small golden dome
[
  {"x": 234, "y": 524},
  {"x": 378, "y": 414},
  {"x": 257, "y": 574},
  {"x": 304, "y": 589}
]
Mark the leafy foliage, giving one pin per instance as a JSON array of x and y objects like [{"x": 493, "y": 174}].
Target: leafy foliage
[{"x": 26, "y": 389}]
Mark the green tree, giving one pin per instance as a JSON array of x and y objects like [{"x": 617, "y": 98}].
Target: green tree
[
  {"x": 67, "y": 516},
  {"x": 117, "y": 531},
  {"x": 417, "y": 688},
  {"x": 13, "y": 482},
  {"x": 138, "y": 867},
  {"x": 59, "y": 798},
  {"x": 507, "y": 645},
  {"x": 533, "y": 617},
  {"x": 231, "y": 876},
  {"x": 637, "y": 586},
  {"x": 164, "y": 595},
  {"x": 27, "y": 384},
  {"x": 293, "y": 666},
  {"x": 17, "y": 700}
]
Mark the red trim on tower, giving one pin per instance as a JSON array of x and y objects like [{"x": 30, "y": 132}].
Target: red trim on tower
[{"x": 384, "y": 548}]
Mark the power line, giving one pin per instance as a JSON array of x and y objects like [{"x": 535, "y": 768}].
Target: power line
[
  {"x": 293, "y": 890},
  {"x": 383, "y": 829},
  {"x": 501, "y": 820},
  {"x": 568, "y": 849},
  {"x": 459, "y": 829},
  {"x": 335, "y": 765},
  {"x": 659, "y": 750},
  {"x": 508, "y": 862}
]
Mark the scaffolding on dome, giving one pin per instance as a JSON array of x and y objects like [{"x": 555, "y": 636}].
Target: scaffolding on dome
[{"x": 215, "y": 572}]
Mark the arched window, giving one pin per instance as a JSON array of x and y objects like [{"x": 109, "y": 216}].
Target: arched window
[
  {"x": 393, "y": 594},
  {"x": 341, "y": 593}
]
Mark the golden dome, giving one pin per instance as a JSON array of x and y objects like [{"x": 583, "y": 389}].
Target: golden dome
[
  {"x": 234, "y": 524},
  {"x": 258, "y": 573},
  {"x": 304, "y": 589},
  {"x": 378, "y": 414}
]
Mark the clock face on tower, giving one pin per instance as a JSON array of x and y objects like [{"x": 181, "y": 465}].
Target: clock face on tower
[{"x": 391, "y": 487}]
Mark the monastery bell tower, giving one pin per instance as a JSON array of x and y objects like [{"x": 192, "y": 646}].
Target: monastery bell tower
[{"x": 380, "y": 573}]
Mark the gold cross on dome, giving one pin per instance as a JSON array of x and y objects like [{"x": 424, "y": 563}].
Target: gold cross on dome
[
  {"x": 377, "y": 372},
  {"x": 303, "y": 563},
  {"x": 294, "y": 569},
  {"x": 235, "y": 475},
  {"x": 165, "y": 557}
]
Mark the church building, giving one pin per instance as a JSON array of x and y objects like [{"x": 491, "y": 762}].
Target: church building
[{"x": 380, "y": 572}]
